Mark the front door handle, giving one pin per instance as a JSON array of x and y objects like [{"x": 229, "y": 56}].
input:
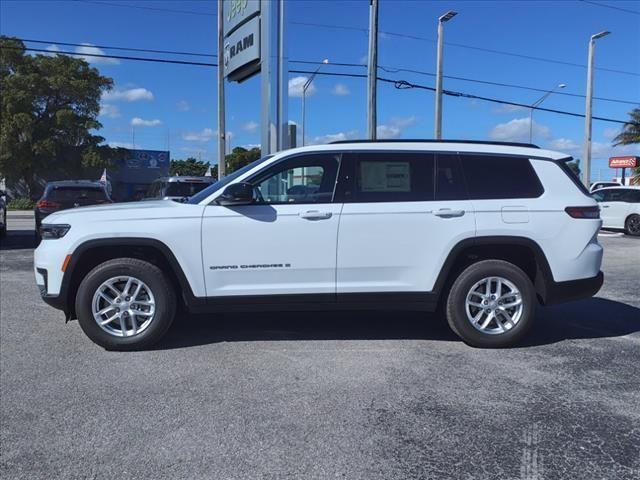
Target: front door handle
[
  {"x": 447, "y": 212},
  {"x": 315, "y": 215},
  {"x": 605, "y": 206}
]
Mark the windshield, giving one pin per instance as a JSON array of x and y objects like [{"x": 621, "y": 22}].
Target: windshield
[{"x": 226, "y": 180}]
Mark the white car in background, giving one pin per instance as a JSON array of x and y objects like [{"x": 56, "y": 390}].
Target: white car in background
[
  {"x": 620, "y": 208},
  {"x": 598, "y": 185}
]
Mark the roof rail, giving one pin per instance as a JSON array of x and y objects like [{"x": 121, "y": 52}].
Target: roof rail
[{"x": 421, "y": 140}]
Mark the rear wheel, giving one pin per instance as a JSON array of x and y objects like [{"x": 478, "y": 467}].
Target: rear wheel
[
  {"x": 632, "y": 225},
  {"x": 125, "y": 304},
  {"x": 491, "y": 304}
]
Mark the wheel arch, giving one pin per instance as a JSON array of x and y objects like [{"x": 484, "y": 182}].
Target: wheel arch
[
  {"x": 94, "y": 252},
  {"x": 521, "y": 251}
]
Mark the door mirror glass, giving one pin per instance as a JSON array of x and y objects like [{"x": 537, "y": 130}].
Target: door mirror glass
[{"x": 236, "y": 194}]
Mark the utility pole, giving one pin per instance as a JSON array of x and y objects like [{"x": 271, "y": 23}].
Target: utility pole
[
  {"x": 372, "y": 71},
  {"x": 306, "y": 85},
  {"x": 221, "y": 105},
  {"x": 587, "y": 116},
  {"x": 438, "y": 115}
]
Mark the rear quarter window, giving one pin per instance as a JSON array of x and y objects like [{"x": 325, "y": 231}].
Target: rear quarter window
[{"x": 498, "y": 177}]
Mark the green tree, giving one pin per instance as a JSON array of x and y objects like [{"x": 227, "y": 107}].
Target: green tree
[
  {"x": 630, "y": 133},
  {"x": 49, "y": 108},
  {"x": 190, "y": 167},
  {"x": 240, "y": 157}
]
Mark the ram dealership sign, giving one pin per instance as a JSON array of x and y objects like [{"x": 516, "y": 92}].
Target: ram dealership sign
[{"x": 241, "y": 39}]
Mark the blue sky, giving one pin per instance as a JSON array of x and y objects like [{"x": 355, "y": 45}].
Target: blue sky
[{"x": 174, "y": 106}]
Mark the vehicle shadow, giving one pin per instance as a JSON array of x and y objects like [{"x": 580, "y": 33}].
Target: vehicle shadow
[
  {"x": 18, "y": 240},
  {"x": 592, "y": 318}
]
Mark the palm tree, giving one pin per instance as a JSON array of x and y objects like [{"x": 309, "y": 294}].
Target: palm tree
[{"x": 630, "y": 133}]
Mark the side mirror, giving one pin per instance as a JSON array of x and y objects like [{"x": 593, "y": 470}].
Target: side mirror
[{"x": 236, "y": 194}]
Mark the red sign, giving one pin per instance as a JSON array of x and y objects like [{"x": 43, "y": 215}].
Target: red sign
[{"x": 624, "y": 162}]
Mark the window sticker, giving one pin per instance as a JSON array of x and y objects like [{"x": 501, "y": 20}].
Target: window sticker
[{"x": 385, "y": 177}]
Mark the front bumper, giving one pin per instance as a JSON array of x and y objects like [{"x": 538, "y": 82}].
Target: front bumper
[{"x": 559, "y": 292}]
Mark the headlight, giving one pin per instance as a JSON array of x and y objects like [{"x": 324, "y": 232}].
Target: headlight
[{"x": 50, "y": 231}]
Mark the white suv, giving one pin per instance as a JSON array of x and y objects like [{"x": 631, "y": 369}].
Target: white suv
[{"x": 483, "y": 230}]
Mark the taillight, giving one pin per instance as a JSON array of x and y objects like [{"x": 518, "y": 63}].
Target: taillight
[
  {"x": 47, "y": 205},
  {"x": 583, "y": 212}
]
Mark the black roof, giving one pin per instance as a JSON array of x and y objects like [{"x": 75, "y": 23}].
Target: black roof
[{"x": 422, "y": 140}]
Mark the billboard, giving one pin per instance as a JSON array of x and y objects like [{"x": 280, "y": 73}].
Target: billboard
[
  {"x": 241, "y": 31},
  {"x": 624, "y": 162}
]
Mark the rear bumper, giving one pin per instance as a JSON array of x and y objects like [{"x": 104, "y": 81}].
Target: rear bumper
[{"x": 559, "y": 292}]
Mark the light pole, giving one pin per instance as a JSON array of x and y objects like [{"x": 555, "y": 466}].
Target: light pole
[
  {"x": 587, "y": 116},
  {"x": 537, "y": 103},
  {"x": 438, "y": 121},
  {"x": 306, "y": 85}
]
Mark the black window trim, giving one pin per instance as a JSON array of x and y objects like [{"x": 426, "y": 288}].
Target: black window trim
[{"x": 265, "y": 171}]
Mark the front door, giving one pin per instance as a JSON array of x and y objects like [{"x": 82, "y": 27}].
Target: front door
[
  {"x": 284, "y": 243},
  {"x": 613, "y": 207}
]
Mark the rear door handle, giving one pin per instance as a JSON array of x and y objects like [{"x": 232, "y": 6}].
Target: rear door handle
[
  {"x": 315, "y": 215},
  {"x": 447, "y": 212}
]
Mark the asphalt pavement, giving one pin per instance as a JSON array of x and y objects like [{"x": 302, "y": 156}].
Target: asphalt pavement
[{"x": 355, "y": 395}]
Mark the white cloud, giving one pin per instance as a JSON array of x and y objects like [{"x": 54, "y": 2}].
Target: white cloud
[
  {"x": 89, "y": 51},
  {"x": 129, "y": 95},
  {"x": 509, "y": 109},
  {"x": 565, "y": 145},
  {"x": 250, "y": 126},
  {"x": 128, "y": 145},
  {"x": 341, "y": 90},
  {"x": 52, "y": 48},
  {"x": 140, "y": 122},
  {"x": 109, "y": 111},
  {"x": 183, "y": 106},
  {"x": 364, "y": 60},
  {"x": 333, "y": 137},
  {"x": 517, "y": 130},
  {"x": 296, "y": 84},
  {"x": 203, "y": 136},
  {"x": 599, "y": 150},
  {"x": 395, "y": 126}
]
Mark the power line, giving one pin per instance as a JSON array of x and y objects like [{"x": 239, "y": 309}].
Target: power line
[
  {"x": 403, "y": 84},
  {"x": 127, "y": 49},
  {"x": 400, "y": 84},
  {"x": 635, "y": 12},
  {"x": 119, "y": 57},
  {"x": 340, "y": 64},
  {"x": 140, "y": 7},
  {"x": 471, "y": 47}
]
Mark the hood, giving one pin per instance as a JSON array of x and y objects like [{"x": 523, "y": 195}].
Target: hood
[{"x": 125, "y": 211}]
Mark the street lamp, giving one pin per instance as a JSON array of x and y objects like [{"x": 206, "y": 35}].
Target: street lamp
[
  {"x": 438, "y": 121},
  {"x": 587, "y": 116},
  {"x": 537, "y": 103},
  {"x": 306, "y": 85}
]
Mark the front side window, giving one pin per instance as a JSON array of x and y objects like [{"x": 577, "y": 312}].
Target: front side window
[
  {"x": 393, "y": 177},
  {"x": 614, "y": 195},
  {"x": 598, "y": 196},
  {"x": 302, "y": 179},
  {"x": 498, "y": 177}
]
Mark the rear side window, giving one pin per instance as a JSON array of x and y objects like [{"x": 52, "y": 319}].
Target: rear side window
[
  {"x": 450, "y": 184},
  {"x": 393, "y": 177},
  {"x": 497, "y": 177}
]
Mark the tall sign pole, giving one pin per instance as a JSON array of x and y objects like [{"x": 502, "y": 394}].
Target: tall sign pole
[
  {"x": 221, "y": 102},
  {"x": 438, "y": 109},
  {"x": 254, "y": 41},
  {"x": 372, "y": 71}
]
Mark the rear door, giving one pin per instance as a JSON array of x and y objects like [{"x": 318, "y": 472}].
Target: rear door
[
  {"x": 400, "y": 219},
  {"x": 614, "y": 207}
]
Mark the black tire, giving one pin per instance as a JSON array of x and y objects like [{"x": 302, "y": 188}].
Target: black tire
[
  {"x": 632, "y": 225},
  {"x": 456, "y": 304},
  {"x": 153, "y": 277}
]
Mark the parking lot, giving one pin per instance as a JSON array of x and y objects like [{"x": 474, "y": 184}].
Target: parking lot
[{"x": 322, "y": 395}]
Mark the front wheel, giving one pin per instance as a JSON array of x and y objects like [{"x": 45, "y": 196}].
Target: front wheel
[
  {"x": 491, "y": 304},
  {"x": 632, "y": 225},
  {"x": 125, "y": 304}
]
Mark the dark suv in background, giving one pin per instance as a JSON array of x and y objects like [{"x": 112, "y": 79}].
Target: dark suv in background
[{"x": 69, "y": 194}]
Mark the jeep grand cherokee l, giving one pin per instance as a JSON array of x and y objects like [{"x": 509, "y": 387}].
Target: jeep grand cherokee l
[{"x": 484, "y": 230}]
